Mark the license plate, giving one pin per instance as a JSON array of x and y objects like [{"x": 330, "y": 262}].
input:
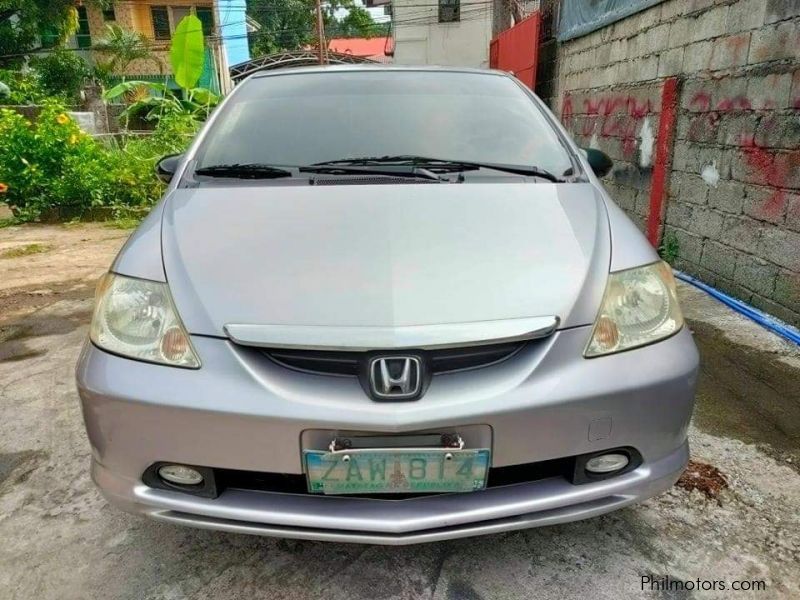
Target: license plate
[{"x": 396, "y": 471}]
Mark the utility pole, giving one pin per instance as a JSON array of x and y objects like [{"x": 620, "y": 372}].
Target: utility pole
[{"x": 321, "y": 34}]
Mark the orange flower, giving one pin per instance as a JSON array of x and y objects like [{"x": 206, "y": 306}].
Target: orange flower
[
  {"x": 3, "y": 188},
  {"x": 62, "y": 119}
]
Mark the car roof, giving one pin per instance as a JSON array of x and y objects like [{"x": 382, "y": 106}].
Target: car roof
[{"x": 370, "y": 67}]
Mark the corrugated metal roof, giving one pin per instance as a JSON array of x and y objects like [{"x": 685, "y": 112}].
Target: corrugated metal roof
[{"x": 370, "y": 47}]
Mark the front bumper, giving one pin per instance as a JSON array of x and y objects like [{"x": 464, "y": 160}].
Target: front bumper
[{"x": 243, "y": 412}]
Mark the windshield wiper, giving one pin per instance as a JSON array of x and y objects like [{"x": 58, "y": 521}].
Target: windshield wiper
[
  {"x": 244, "y": 171},
  {"x": 435, "y": 164},
  {"x": 396, "y": 170}
]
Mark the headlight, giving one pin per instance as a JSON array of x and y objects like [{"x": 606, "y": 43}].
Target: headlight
[
  {"x": 136, "y": 318},
  {"x": 640, "y": 306}
]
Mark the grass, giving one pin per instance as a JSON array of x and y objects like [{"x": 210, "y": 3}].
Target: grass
[
  {"x": 124, "y": 223},
  {"x": 72, "y": 223},
  {"x": 127, "y": 218},
  {"x": 25, "y": 250}
]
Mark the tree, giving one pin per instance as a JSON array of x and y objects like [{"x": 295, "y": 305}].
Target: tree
[
  {"x": 358, "y": 22},
  {"x": 291, "y": 24},
  {"x": 61, "y": 73},
  {"x": 23, "y": 23},
  {"x": 26, "y": 25},
  {"x": 121, "y": 47},
  {"x": 285, "y": 25}
]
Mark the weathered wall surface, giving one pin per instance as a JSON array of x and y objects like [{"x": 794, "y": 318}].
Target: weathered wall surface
[
  {"x": 733, "y": 206},
  {"x": 419, "y": 38}
]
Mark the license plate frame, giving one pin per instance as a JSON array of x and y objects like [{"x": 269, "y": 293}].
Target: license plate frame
[{"x": 389, "y": 470}]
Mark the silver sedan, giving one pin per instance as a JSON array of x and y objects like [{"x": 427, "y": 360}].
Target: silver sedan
[{"x": 385, "y": 305}]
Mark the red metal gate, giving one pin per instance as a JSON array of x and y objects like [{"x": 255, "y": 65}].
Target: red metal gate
[{"x": 516, "y": 50}]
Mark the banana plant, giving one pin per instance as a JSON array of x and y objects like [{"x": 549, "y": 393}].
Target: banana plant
[
  {"x": 159, "y": 99},
  {"x": 187, "y": 53},
  {"x": 151, "y": 100}
]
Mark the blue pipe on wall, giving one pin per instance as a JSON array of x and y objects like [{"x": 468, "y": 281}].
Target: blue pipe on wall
[{"x": 782, "y": 329}]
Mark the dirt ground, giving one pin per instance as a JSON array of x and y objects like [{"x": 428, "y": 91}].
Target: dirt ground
[{"x": 734, "y": 516}]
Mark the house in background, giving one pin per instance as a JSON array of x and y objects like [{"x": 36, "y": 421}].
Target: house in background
[
  {"x": 451, "y": 32},
  {"x": 443, "y": 32},
  {"x": 224, "y": 26}
]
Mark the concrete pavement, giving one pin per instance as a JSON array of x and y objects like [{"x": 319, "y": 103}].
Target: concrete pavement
[{"x": 61, "y": 540}]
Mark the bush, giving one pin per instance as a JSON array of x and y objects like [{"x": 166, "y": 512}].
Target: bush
[
  {"x": 62, "y": 73},
  {"x": 24, "y": 87},
  {"x": 52, "y": 163}
]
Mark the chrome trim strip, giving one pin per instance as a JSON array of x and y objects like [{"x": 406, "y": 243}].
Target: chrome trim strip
[{"x": 424, "y": 337}]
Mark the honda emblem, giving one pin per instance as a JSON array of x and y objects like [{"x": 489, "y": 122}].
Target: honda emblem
[{"x": 395, "y": 377}]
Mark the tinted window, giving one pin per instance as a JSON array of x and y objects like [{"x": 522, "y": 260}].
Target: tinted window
[{"x": 300, "y": 119}]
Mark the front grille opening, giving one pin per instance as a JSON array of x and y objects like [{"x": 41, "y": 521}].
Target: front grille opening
[
  {"x": 570, "y": 468},
  {"x": 343, "y": 363},
  {"x": 325, "y": 362},
  {"x": 290, "y": 483},
  {"x": 460, "y": 359}
]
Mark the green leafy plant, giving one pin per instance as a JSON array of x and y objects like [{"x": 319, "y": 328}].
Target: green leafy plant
[
  {"x": 119, "y": 48},
  {"x": 61, "y": 73},
  {"x": 23, "y": 86},
  {"x": 51, "y": 163},
  {"x": 154, "y": 100},
  {"x": 670, "y": 248},
  {"x": 187, "y": 54},
  {"x": 26, "y": 24},
  {"x": 161, "y": 101}
]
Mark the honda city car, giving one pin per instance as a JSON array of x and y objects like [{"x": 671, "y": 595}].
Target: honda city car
[{"x": 385, "y": 305}]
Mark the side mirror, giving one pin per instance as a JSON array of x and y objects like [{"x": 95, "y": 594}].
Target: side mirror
[
  {"x": 600, "y": 162},
  {"x": 166, "y": 167}
]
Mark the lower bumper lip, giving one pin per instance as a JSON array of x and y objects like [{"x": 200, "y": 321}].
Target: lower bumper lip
[{"x": 551, "y": 517}]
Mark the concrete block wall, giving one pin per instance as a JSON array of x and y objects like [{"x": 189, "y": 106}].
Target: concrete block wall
[{"x": 733, "y": 205}]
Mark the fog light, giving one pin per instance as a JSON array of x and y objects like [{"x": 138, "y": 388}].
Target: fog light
[
  {"x": 180, "y": 474},
  {"x": 607, "y": 463}
]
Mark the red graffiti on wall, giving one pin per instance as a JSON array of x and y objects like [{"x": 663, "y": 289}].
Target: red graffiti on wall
[
  {"x": 566, "y": 112},
  {"x": 704, "y": 125},
  {"x": 734, "y": 103},
  {"x": 770, "y": 169},
  {"x": 767, "y": 166},
  {"x": 617, "y": 116}
]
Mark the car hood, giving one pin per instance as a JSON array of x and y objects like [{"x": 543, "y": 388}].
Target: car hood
[{"x": 384, "y": 256}]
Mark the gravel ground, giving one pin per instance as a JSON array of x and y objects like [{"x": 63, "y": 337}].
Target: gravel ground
[{"x": 61, "y": 540}]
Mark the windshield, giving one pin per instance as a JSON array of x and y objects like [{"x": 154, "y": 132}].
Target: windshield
[{"x": 306, "y": 118}]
